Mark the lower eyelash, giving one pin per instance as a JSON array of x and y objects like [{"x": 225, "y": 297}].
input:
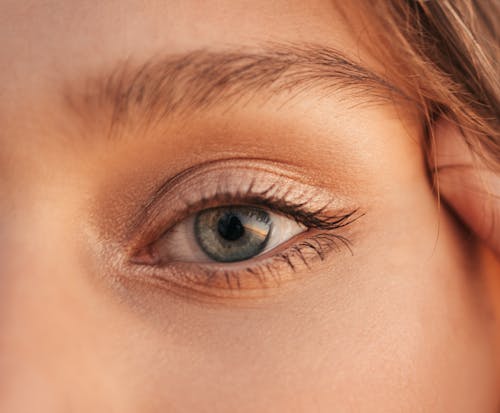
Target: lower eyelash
[
  {"x": 301, "y": 254},
  {"x": 258, "y": 276},
  {"x": 320, "y": 245}
]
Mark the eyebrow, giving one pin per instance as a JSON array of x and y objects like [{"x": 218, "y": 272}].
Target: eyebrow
[{"x": 198, "y": 80}]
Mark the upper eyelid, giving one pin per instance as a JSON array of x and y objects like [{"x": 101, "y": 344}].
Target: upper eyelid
[
  {"x": 247, "y": 163},
  {"x": 203, "y": 182}
]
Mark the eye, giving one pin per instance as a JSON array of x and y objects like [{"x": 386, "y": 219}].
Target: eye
[
  {"x": 226, "y": 234},
  {"x": 234, "y": 228}
]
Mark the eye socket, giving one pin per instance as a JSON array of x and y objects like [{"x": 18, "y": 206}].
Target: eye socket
[
  {"x": 226, "y": 234},
  {"x": 234, "y": 228}
]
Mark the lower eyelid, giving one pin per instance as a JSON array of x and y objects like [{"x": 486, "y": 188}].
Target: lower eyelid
[{"x": 253, "y": 277}]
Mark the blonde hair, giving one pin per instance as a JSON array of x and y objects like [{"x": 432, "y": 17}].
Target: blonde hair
[{"x": 445, "y": 55}]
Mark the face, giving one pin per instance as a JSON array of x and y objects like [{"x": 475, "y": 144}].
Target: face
[{"x": 224, "y": 207}]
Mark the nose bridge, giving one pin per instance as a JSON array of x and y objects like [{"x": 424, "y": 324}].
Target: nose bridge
[
  {"x": 30, "y": 237},
  {"x": 25, "y": 328},
  {"x": 43, "y": 315},
  {"x": 35, "y": 288}
]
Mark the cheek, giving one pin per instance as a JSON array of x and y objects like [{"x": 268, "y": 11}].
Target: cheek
[{"x": 419, "y": 332}]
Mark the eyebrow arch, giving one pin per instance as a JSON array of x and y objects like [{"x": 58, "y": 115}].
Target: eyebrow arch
[{"x": 197, "y": 80}]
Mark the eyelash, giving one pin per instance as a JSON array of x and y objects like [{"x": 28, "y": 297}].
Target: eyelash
[
  {"x": 319, "y": 244},
  {"x": 321, "y": 239}
]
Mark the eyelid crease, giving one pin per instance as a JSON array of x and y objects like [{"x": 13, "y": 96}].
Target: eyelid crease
[{"x": 247, "y": 163}]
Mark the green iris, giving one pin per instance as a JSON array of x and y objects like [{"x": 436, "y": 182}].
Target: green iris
[{"x": 229, "y": 234}]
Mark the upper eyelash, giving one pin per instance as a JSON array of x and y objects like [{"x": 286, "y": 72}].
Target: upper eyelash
[{"x": 318, "y": 218}]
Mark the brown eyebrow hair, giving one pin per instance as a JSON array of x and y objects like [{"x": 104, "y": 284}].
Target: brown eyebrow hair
[{"x": 197, "y": 80}]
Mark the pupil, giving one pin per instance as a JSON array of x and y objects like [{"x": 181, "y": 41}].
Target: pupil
[{"x": 230, "y": 227}]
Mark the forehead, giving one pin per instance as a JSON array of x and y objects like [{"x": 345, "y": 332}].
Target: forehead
[{"x": 44, "y": 41}]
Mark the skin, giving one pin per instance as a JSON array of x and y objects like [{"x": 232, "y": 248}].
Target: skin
[{"x": 404, "y": 323}]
